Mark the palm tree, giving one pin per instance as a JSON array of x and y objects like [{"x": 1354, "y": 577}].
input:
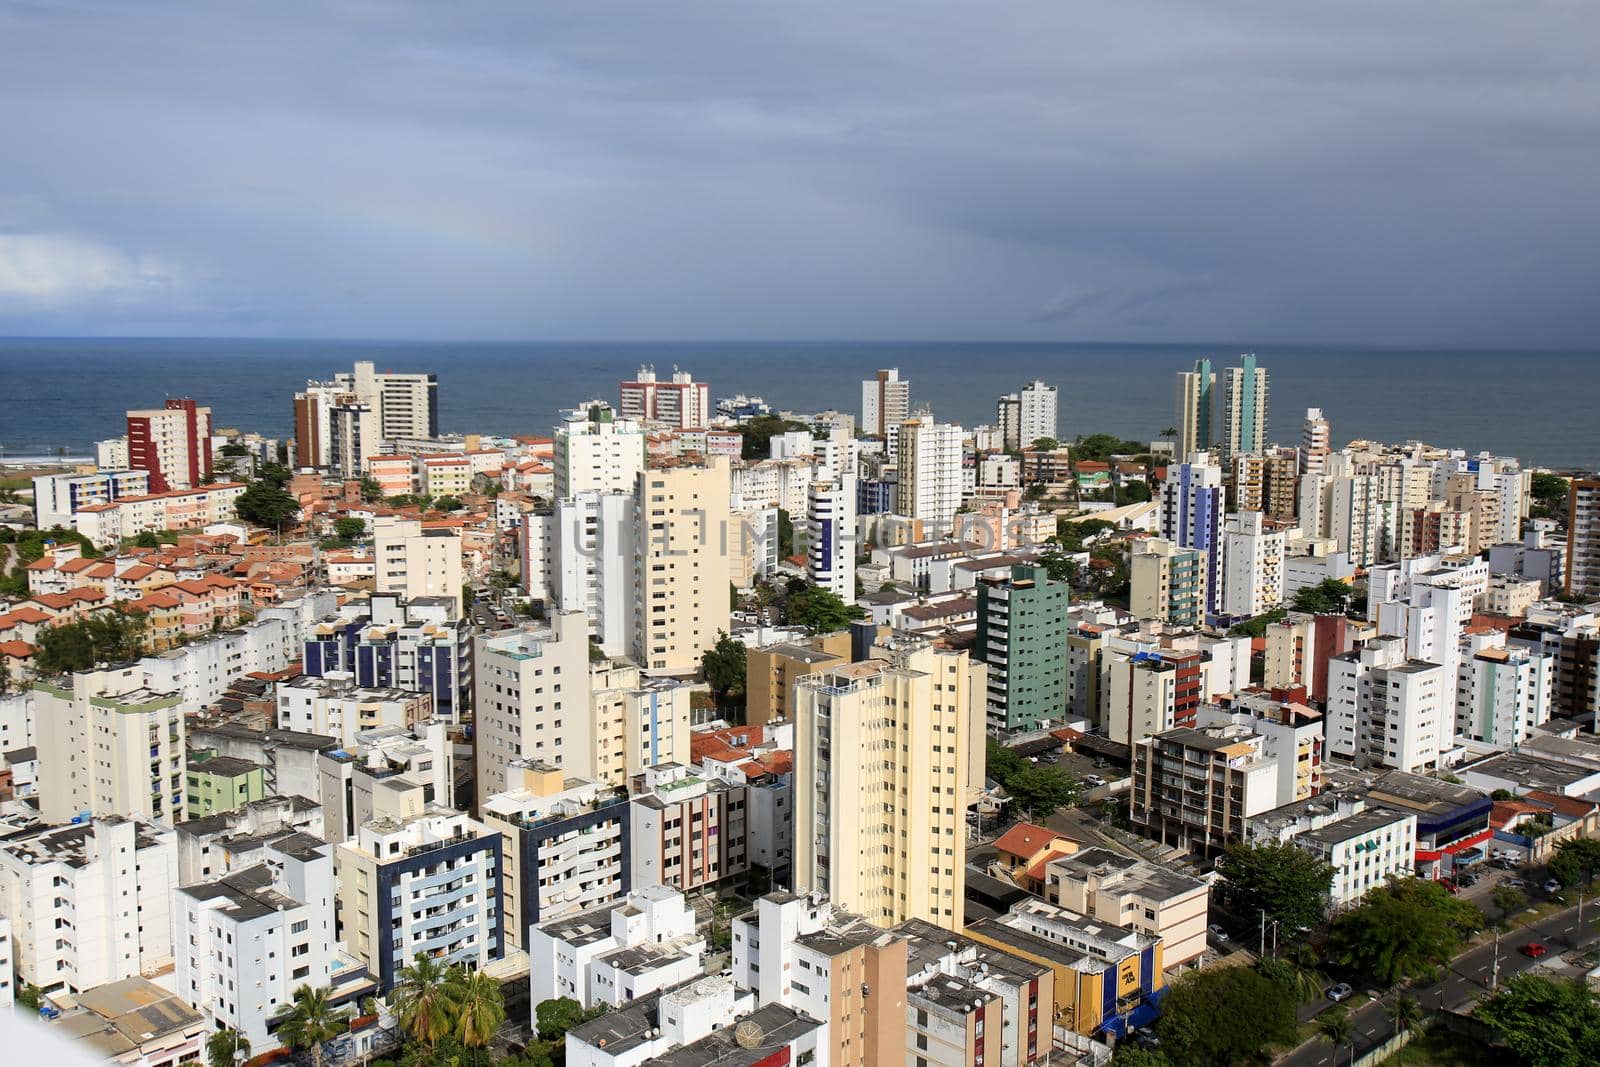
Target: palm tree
[
  {"x": 422, "y": 1001},
  {"x": 1337, "y": 1029},
  {"x": 1406, "y": 1014},
  {"x": 311, "y": 1022},
  {"x": 223, "y": 1048},
  {"x": 480, "y": 1008}
]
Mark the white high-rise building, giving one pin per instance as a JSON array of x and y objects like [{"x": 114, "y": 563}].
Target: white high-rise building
[
  {"x": 1315, "y": 442},
  {"x": 930, "y": 471},
  {"x": 885, "y": 402},
  {"x": 1244, "y": 409},
  {"x": 90, "y": 902},
  {"x": 1252, "y": 566},
  {"x": 406, "y": 405},
  {"x": 1386, "y": 709},
  {"x": 1502, "y": 692},
  {"x": 830, "y": 536},
  {"x": 246, "y": 940},
  {"x": 1024, "y": 417},
  {"x": 1192, "y": 512},
  {"x": 579, "y": 555},
  {"x": 596, "y": 452}
]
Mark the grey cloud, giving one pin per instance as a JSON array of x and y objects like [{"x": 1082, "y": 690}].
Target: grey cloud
[{"x": 1354, "y": 172}]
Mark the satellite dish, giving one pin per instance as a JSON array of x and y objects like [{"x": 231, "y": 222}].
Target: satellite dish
[{"x": 749, "y": 1034}]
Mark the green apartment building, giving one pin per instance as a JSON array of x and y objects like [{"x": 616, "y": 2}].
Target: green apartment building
[
  {"x": 1022, "y": 637},
  {"x": 221, "y": 783}
]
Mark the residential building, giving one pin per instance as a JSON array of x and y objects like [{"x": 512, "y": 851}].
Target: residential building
[
  {"x": 1154, "y": 900},
  {"x": 885, "y": 402},
  {"x": 1252, "y": 570},
  {"x": 1192, "y": 516},
  {"x": 637, "y": 721},
  {"x": 1194, "y": 788},
  {"x": 1452, "y": 820},
  {"x": 1365, "y": 850},
  {"x": 1299, "y": 648},
  {"x": 1291, "y": 736},
  {"x": 1244, "y": 408},
  {"x": 89, "y": 902},
  {"x": 1196, "y": 407},
  {"x": 247, "y": 939},
  {"x": 596, "y": 452},
  {"x": 1386, "y": 709},
  {"x": 171, "y": 444},
  {"x": 419, "y": 645},
  {"x": 532, "y": 702},
  {"x": 115, "y": 746},
  {"x": 233, "y": 840},
  {"x": 1108, "y": 978},
  {"x": 830, "y": 536},
  {"x": 681, "y": 404},
  {"x": 930, "y": 483},
  {"x": 1168, "y": 583},
  {"x": 672, "y": 1022},
  {"x": 1583, "y": 538},
  {"x": 580, "y": 555},
  {"x": 1503, "y": 693},
  {"x": 335, "y": 705},
  {"x": 803, "y": 953},
  {"x": 221, "y": 783},
  {"x": 615, "y": 953},
  {"x": 386, "y": 772},
  {"x": 405, "y": 405},
  {"x": 1024, "y": 417},
  {"x": 1268, "y": 482},
  {"x": 682, "y": 571},
  {"x": 1022, "y": 633},
  {"x": 1315, "y": 442},
  {"x": 868, "y": 736},
  {"x": 1149, "y": 691},
  {"x": 772, "y": 671},
  {"x": 109, "y": 524},
  {"x": 417, "y": 560},
  {"x": 428, "y": 885},
  {"x": 689, "y": 830},
  {"x": 566, "y": 845},
  {"x": 132, "y": 1022},
  {"x": 57, "y": 497}
]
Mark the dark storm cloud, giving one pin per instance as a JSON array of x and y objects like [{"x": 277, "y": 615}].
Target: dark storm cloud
[{"x": 1401, "y": 172}]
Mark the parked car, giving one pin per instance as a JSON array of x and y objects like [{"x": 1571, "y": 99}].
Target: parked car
[
  {"x": 1552, "y": 885},
  {"x": 1339, "y": 992},
  {"x": 1466, "y": 881},
  {"x": 1146, "y": 1038},
  {"x": 1093, "y": 781},
  {"x": 1533, "y": 950},
  {"x": 1216, "y": 931},
  {"x": 1450, "y": 884},
  {"x": 1515, "y": 883}
]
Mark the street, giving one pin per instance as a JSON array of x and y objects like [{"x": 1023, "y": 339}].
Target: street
[{"x": 1466, "y": 980}]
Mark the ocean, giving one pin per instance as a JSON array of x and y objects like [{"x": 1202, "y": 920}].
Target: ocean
[{"x": 66, "y": 394}]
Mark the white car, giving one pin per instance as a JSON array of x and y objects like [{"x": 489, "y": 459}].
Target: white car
[
  {"x": 1093, "y": 781},
  {"x": 1217, "y": 932}
]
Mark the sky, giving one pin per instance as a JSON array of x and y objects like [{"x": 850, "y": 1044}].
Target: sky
[{"x": 1364, "y": 172}]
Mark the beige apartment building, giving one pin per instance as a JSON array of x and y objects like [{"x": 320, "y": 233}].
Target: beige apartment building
[
  {"x": 637, "y": 721},
  {"x": 883, "y": 763},
  {"x": 1125, "y": 891},
  {"x": 531, "y": 701},
  {"x": 113, "y": 747},
  {"x": 415, "y": 561},
  {"x": 771, "y": 673},
  {"x": 683, "y": 573}
]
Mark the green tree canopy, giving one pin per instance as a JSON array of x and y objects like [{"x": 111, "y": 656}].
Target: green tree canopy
[
  {"x": 1328, "y": 597},
  {"x": 1290, "y": 884},
  {"x": 1402, "y": 930},
  {"x": 349, "y": 528},
  {"x": 1576, "y": 861},
  {"x": 1546, "y": 1022},
  {"x": 1224, "y": 1016},
  {"x": 104, "y": 637},
  {"x": 1045, "y": 444},
  {"x": 1072, "y": 533},
  {"x": 759, "y": 432},
  {"x": 225, "y": 1046},
  {"x": 553, "y": 1018},
  {"x": 422, "y": 1001},
  {"x": 266, "y": 503},
  {"x": 724, "y": 668},
  {"x": 1549, "y": 490},
  {"x": 819, "y": 610},
  {"x": 311, "y": 1022},
  {"x": 371, "y": 491},
  {"x": 1042, "y": 791},
  {"x": 1100, "y": 446}
]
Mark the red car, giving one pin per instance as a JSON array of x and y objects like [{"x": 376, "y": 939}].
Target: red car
[
  {"x": 1450, "y": 885},
  {"x": 1533, "y": 950}
]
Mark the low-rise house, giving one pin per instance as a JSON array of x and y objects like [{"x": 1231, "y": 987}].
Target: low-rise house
[
  {"x": 1127, "y": 891},
  {"x": 616, "y": 952}
]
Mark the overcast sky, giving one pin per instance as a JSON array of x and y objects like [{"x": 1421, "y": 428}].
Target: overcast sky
[{"x": 1360, "y": 171}]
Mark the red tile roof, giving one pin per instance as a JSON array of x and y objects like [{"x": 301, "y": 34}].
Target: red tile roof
[{"x": 1024, "y": 839}]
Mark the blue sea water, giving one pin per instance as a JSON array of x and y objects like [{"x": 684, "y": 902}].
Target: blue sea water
[{"x": 1539, "y": 406}]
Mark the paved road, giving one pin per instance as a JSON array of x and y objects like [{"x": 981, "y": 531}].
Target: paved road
[{"x": 1464, "y": 983}]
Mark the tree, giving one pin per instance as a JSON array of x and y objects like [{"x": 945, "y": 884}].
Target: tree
[
  {"x": 422, "y": 1001},
  {"x": 29, "y": 996},
  {"x": 1550, "y": 490},
  {"x": 1328, "y": 597},
  {"x": 1059, "y": 567},
  {"x": 223, "y": 1048},
  {"x": 147, "y": 539},
  {"x": 63, "y": 649},
  {"x": 1042, "y": 791},
  {"x": 1336, "y": 1029},
  {"x": 310, "y": 1022},
  {"x": 1402, "y": 929},
  {"x": 266, "y": 503},
  {"x": 785, "y": 534},
  {"x": 819, "y": 610},
  {"x": 1129, "y": 1054},
  {"x": 1288, "y": 883},
  {"x": 1405, "y": 1014},
  {"x": 1045, "y": 444},
  {"x": 371, "y": 491},
  {"x": 759, "y": 432},
  {"x": 349, "y": 528},
  {"x": 1546, "y": 1022},
  {"x": 1001, "y": 763},
  {"x": 724, "y": 667},
  {"x": 555, "y": 1017},
  {"x": 479, "y": 1006},
  {"x": 448, "y": 503},
  {"x": 1100, "y": 446},
  {"x": 1509, "y": 899},
  {"x": 1224, "y": 1016},
  {"x": 1071, "y": 534},
  {"x": 1576, "y": 860},
  {"x": 1257, "y": 627}
]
